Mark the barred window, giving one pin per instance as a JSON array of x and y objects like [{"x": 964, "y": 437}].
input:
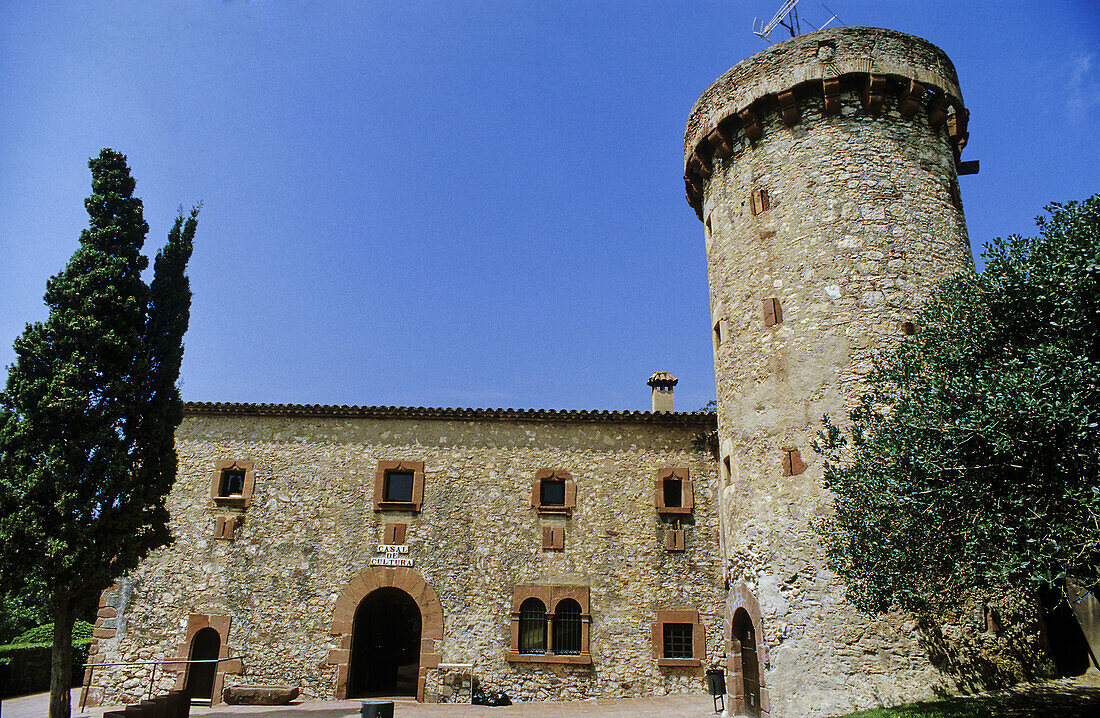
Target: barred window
[
  {"x": 532, "y": 626},
  {"x": 677, "y": 640},
  {"x": 567, "y": 628}
]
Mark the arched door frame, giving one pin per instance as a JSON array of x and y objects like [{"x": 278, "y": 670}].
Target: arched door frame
[
  {"x": 195, "y": 623},
  {"x": 741, "y": 597},
  {"x": 343, "y": 620}
]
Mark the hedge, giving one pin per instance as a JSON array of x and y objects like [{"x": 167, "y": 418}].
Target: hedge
[{"x": 25, "y": 664}]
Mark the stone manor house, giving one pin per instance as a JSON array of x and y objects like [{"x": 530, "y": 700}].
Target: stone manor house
[{"x": 351, "y": 551}]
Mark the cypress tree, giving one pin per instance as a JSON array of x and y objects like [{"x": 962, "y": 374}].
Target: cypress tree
[{"x": 89, "y": 412}]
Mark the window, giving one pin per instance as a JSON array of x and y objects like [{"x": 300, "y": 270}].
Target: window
[
  {"x": 674, "y": 540},
  {"x": 793, "y": 465},
  {"x": 759, "y": 202},
  {"x": 672, "y": 491},
  {"x": 561, "y": 609},
  {"x": 399, "y": 486},
  {"x": 394, "y": 534},
  {"x": 224, "y": 527},
  {"x": 553, "y": 538},
  {"x": 678, "y": 639},
  {"x": 532, "y": 627},
  {"x": 567, "y": 628},
  {"x": 232, "y": 483},
  {"x": 773, "y": 312},
  {"x": 554, "y": 492}
]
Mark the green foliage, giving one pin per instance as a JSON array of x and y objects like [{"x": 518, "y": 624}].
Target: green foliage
[
  {"x": 20, "y": 612},
  {"x": 91, "y": 406},
  {"x": 972, "y": 460},
  {"x": 82, "y": 631}
]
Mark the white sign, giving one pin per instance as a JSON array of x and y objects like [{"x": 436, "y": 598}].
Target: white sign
[{"x": 392, "y": 556}]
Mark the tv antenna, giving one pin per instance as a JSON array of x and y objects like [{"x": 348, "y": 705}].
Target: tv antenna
[{"x": 788, "y": 18}]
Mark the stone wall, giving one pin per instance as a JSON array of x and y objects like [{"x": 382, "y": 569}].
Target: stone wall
[
  {"x": 860, "y": 215},
  {"x": 278, "y": 592}
]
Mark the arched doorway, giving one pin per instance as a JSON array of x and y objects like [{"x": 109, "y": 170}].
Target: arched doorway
[
  {"x": 745, "y": 642},
  {"x": 1065, "y": 640},
  {"x": 205, "y": 646},
  {"x": 385, "y": 645}
]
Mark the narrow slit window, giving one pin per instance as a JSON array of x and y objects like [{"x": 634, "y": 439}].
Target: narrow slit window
[
  {"x": 773, "y": 312},
  {"x": 718, "y": 334}
]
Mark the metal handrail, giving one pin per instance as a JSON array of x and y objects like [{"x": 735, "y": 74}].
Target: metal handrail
[{"x": 87, "y": 684}]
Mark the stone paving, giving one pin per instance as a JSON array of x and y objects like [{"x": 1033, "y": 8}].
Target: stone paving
[{"x": 1067, "y": 698}]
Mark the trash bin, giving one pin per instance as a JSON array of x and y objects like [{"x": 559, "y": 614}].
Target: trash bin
[
  {"x": 716, "y": 682},
  {"x": 716, "y": 686},
  {"x": 376, "y": 709}
]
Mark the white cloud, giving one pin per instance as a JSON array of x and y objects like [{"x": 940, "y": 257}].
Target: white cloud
[{"x": 1084, "y": 90}]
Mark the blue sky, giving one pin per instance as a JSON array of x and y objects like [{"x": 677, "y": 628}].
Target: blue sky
[{"x": 452, "y": 204}]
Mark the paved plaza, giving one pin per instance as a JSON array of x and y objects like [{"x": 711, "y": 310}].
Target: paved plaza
[{"x": 698, "y": 706}]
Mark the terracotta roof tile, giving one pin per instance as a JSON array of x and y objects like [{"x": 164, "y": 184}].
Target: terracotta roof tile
[
  {"x": 662, "y": 378},
  {"x": 687, "y": 418}
]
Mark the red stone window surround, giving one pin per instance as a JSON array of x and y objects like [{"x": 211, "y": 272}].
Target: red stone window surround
[
  {"x": 394, "y": 534},
  {"x": 384, "y": 493},
  {"x": 793, "y": 465},
  {"x": 698, "y": 638},
  {"x": 232, "y": 483},
  {"x": 674, "y": 540},
  {"x": 553, "y": 538},
  {"x": 553, "y": 492},
  {"x": 672, "y": 491},
  {"x": 551, "y": 597},
  {"x": 225, "y": 527}
]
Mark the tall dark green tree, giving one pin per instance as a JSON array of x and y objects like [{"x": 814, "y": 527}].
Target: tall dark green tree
[
  {"x": 89, "y": 412},
  {"x": 973, "y": 460}
]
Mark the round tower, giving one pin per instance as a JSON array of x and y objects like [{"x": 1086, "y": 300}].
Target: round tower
[{"x": 824, "y": 170}]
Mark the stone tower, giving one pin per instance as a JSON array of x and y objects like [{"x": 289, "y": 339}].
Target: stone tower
[{"x": 824, "y": 170}]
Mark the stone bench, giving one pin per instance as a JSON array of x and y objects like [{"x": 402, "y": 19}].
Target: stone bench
[{"x": 259, "y": 695}]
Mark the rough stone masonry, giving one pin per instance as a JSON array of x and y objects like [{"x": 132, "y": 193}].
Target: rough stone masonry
[
  {"x": 278, "y": 567},
  {"x": 824, "y": 172}
]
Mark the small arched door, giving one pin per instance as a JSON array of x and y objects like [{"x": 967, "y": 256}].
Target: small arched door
[
  {"x": 385, "y": 645},
  {"x": 744, "y": 634},
  {"x": 205, "y": 646}
]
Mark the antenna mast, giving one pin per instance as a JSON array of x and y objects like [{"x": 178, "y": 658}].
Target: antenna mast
[{"x": 787, "y": 17}]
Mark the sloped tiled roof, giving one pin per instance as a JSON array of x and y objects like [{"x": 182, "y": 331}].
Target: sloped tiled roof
[{"x": 687, "y": 418}]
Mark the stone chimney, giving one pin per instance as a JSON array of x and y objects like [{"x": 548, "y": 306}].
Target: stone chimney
[{"x": 662, "y": 383}]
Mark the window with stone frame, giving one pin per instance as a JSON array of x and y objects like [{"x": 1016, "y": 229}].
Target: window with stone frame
[
  {"x": 678, "y": 639},
  {"x": 565, "y": 621},
  {"x": 567, "y": 628},
  {"x": 233, "y": 482},
  {"x": 554, "y": 492},
  {"x": 399, "y": 486},
  {"x": 673, "y": 494},
  {"x": 532, "y": 627}
]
